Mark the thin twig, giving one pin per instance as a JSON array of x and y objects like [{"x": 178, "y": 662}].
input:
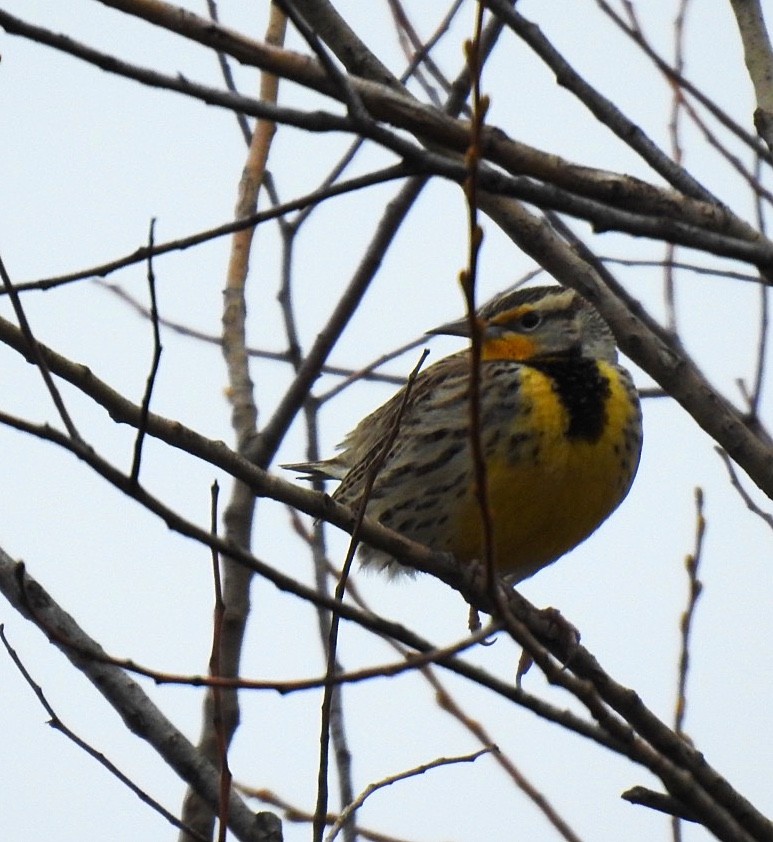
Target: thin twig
[
  {"x": 157, "y": 349},
  {"x": 348, "y": 156},
  {"x": 215, "y": 670},
  {"x": 635, "y": 34},
  {"x": 677, "y": 104},
  {"x": 238, "y": 517},
  {"x": 332, "y": 643},
  {"x": 36, "y": 354},
  {"x": 766, "y": 517},
  {"x": 690, "y": 267},
  {"x": 348, "y": 93},
  {"x": 601, "y": 108},
  {"x": 692, "y": 562},
  {"x": 468, "y": 278},
  {"x": 447, "y": 703},
  {"x": 311, "y": 405},
  {"x": 272, "y": 434},
  {"x": 764, "y": 335},
  {"x": 422, "y": 52},
  {"x": 277, "y": 212},
  {"x": 410, "y": 662},
  {"x": 225, "y": 69},
  {"x": 676, "y": 79},
  {"x": 296, "y": 815},
  {"x": 754, "y": 182},
  {"x": 658, "y": 801},
  {"x": 350, "y": 809},
  {"x": 57, "y": 724},
  {"x": 368, "y": 372}
]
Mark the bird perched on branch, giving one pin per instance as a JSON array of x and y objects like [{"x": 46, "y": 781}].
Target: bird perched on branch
[{"x": 560, "y": 432}]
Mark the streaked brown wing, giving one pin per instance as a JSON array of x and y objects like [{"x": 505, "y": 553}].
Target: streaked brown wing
[{"x": 434, "y": 393}]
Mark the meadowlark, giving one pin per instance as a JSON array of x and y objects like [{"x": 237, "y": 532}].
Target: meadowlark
[{"x": 560, "y": 428}]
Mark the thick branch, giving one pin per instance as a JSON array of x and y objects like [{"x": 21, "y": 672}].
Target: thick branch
[{"x": 759, "y": 62}]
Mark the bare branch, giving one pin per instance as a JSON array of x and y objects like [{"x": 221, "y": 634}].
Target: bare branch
[
  {"x": 658, "y": 801},
  {"x": 332, "y": 641},
  {"x": 766, "y": 517},
  {"x": 604, "y": 110},
  {"x": 692, "y": 563},
  {"x": 220, "y": 715},
  {"x": 157, "y": 349},
  {"x": 140, "y": 715},
  {"x": 737, "y": 239},
  {"x": 225, "y": 69},
  {"x": 303, "y": 203},
  {"x": 350, "y": 376},
  {"x": 296, "y": 815},
  {"x": 669, "y": 72},
  {"x": 34, "y": 353},
  {"x": 759, "y": 62},
  {"x": 350, "y": 809},
  {"x": 58, "y": 725}
]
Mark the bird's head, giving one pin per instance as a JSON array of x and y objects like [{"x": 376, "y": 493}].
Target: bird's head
[{"x": 548, "y": 321}]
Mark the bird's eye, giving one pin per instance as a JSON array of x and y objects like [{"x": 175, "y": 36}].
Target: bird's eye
[{"x": 530, "y": 320}]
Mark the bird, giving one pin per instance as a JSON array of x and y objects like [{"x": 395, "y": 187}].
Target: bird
[{"x": 560, "y": 431}]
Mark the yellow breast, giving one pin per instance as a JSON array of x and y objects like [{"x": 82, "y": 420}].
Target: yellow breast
[{"x": 548, "y": 493}]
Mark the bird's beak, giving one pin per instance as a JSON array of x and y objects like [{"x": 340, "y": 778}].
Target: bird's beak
[{"x": 460, "y": 327}]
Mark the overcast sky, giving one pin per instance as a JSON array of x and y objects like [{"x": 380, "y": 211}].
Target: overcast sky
[{"x": 88, "y": 159}]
